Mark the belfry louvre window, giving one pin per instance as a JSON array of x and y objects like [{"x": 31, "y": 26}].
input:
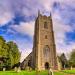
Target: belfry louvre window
[
  {"x": 45, "y": 36},
  {"x": 45, "y": 25}
]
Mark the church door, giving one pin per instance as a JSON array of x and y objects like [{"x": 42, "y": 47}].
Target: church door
[{"x": 46, "y": 65}]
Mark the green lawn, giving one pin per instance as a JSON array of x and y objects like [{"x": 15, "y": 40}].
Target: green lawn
[
  {"x": 69, "y": 71},
  {"x": 15, "y": 73},
  {"x": 59, "y": 73},
  {"x": 30, "y": 73}
]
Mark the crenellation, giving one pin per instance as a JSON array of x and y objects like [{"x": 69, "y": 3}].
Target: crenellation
[
  {"x": 49, "y": 42},
  {"x": 44, "y": 49}
]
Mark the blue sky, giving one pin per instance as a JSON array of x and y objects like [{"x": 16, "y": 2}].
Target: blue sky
[{"x": 17, "y": 20}]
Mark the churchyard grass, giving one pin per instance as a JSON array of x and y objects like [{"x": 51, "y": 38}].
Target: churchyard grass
[
  {"x": 19, "y": 73},
  {"x": 69, "y": 71},
  {"x": 59, "y": 73},
  {"x": 35, "y": 73}
]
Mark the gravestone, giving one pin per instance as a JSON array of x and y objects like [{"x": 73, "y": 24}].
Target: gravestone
[
  {"x": 18, "y": 69},
  {"x": 4, "y": 69},
  {"x": 15, "y": 69},
  {"x": 50, "y": 72}
]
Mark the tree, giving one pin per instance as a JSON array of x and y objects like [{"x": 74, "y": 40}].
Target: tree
[
  {"x": 3, "y": 52},
  {"x": 63, "y": 60},
  {"x": 14, "y": 53},
  {"x": 9, "y": 53},
  {"x": 3, "y": 47},
  {"x": 72, "y": 59}
]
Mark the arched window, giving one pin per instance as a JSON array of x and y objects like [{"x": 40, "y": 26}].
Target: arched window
[
  {"x": 29, "y": 63},
  {"x": 45, "y": 25},
  {"x": 46, "y": 51}
]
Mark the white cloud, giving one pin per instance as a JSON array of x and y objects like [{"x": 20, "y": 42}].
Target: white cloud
[
  {"x": 47, "y": 4},
  {"x": 5, "y": 17},
  {"x": 60, "y": 29},
  {"x": 24, "y": 54},
  {"x": 30, "y": 7},
  {"x": 25, "y": 7},
  {"x": 68, "y": 1},
  {"x": 5, "y": 12},
  {"x": 25, "y": 28}
]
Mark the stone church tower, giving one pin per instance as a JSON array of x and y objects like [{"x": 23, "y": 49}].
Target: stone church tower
[{"x": 44, "y": 49}]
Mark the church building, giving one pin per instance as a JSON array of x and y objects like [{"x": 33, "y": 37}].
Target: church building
[{"x": 43, "y": 55}]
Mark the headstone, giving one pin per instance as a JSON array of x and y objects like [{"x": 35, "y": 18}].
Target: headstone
[
  {"x": 50, "y": 72},
  {"x": 18, "y": 69},
  {"x": 4, "y": 69},
  {"x": 71, "y": 68},
  {"x": 15, "y": 69}
]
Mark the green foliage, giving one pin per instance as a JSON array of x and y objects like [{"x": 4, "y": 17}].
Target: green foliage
[
  {"x": 72, "y": 59},
  {"x": 9, "y": 53},
  {"x": 14, "y": 53},
  {"x": 63, "y": 60}
]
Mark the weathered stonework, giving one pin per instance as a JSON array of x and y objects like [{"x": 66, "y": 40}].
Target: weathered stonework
[{"x": 44, "y": 48}]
